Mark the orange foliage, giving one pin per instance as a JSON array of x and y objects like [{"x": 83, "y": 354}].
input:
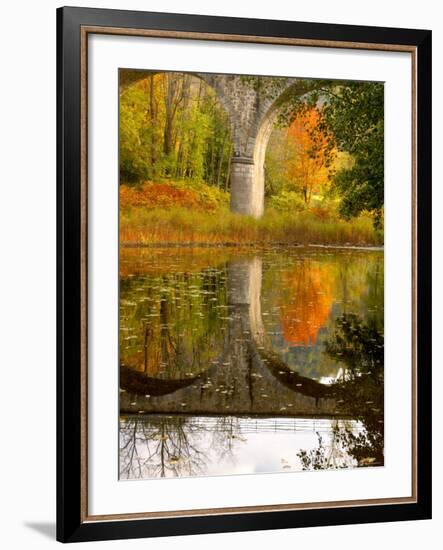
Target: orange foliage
[
  {"x": 161, "y": 195},
  {"x": 312, "y": 296},
  {"x": 306, "y": 167}
]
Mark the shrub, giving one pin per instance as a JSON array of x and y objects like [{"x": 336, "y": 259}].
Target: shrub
[
  {"x": 287, "y": 201},
  {"x": 150, "y": 195}
]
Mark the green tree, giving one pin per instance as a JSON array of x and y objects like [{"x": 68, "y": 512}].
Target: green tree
[
  {"x": 353, "y": 115},
  {"x": 172, "y": 125}
]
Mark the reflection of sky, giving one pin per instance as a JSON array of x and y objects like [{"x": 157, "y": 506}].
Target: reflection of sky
[
  {"x": 265, "y": 453},
  {"x": 262, "y": 445}
]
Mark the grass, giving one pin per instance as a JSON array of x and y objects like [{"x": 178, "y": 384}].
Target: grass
[
  {"x": 194, "y": 213},
  {"x": 180, "y": 225}
]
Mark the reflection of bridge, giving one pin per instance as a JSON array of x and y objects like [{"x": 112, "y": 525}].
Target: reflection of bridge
[
  {"x": 245, "y": 425},
  {"x": 247, "y": 379}
]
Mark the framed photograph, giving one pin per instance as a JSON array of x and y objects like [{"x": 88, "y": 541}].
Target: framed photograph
[{"x": 244, "y": 274}]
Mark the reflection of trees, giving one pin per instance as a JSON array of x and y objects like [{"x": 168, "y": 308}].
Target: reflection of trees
[
  {"x": 173, "y": 446},
  {"x": 170, "y": 324},
  {"x": 359, "y": 347},
  {"x": 309, "y": 291},
  {"x": 162, "y": 447},
  {"x": 332, "y": 456},
  {"x": 225, "y": 436},
  {"x": 311, "y": 285}
]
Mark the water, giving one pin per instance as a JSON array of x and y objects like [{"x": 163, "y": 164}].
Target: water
[{"x": 246, "y": 361}]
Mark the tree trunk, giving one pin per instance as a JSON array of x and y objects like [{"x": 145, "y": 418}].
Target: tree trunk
[
  {"x": 153, "y": 117},
  {"x": 228, "y": 171},
  {"x": 220, "y": 161},
  {"x": 172, "y": 100},
  {"x": 186, "y": 92}
]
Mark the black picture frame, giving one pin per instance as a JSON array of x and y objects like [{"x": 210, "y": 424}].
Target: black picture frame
[{"x": 72, "y": 526}]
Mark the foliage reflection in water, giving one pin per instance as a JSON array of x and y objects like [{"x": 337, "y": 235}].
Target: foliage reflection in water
[{"x": 240, "y": 361}]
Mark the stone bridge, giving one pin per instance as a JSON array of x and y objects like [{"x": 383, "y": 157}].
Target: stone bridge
[
  {"x": 247, "y": 379},
  {"x": 252, "y": 105}
]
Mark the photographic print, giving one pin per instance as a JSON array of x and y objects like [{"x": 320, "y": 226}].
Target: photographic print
[{"x": 251, "y": 274}]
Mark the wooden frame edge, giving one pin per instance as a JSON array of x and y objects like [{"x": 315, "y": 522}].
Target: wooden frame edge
[
  {"x": 281, "y": 41},
  {"x": 202, "y": 512}
]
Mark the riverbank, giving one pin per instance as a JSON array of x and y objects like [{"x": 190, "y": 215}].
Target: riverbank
[
  {"x": 188, "y": 213},
  {"x": 178, "y": 226},
  {"x": 249, "y": 246}
]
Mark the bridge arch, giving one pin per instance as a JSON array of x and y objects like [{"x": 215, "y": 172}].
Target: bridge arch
[
  {"x": 131, "y": 77},
  {"x": 252, "y": 111}
]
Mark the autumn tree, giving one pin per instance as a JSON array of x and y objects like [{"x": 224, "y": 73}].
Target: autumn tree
[
  {"x": 352, "y": 113},
  {"x": 309, "y": 155},
  {"x": 172, "y": 125}
]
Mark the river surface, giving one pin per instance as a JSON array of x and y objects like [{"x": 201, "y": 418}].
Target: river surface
[{"x": 250, "y": 360}]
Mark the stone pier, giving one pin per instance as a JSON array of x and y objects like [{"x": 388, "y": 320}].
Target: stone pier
[{"x": 247, "y": 194}]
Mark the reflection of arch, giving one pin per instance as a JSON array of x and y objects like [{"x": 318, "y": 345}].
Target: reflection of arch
[
  {"x": 252, "y": 111},
  {"x": 245, "y": 278},
  {"x": 291, "y": 379},
  {"x": 138, "y": 383},
  {"x": 247, "y": 378}
]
